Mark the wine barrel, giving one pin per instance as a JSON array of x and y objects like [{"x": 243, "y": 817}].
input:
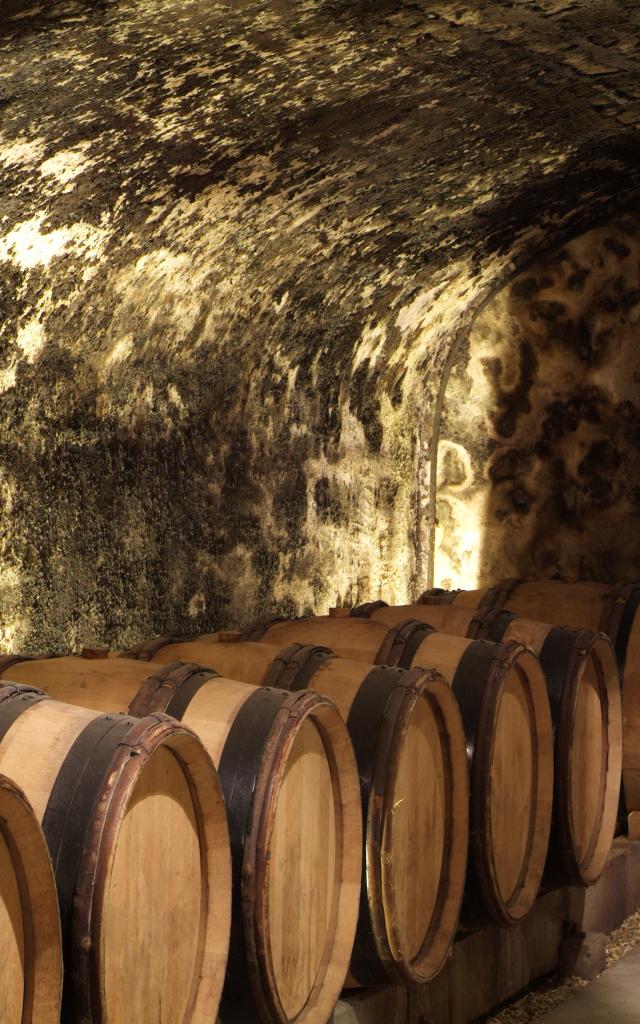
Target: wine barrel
[
  {"x": 411, "y": 754},
  {"x": 135, "y": 824},
  {"x": 502, "y": 694},
  {"x": 236, "y": 658},
  {"x": 583, "y": 684},
  {"x": 30, "y": 950},
  {"x": 357, "y": 639},
  {"x": 596, "y": 606},
  {"x": 289, "y": 779}
]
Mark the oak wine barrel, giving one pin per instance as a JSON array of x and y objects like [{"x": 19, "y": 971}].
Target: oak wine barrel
[
  {"x": 410, "y": 749},
  {"x": 501, "y": 690},
  {"x": 30, "y": 949},
  {"x": 583, "y": 684},
  {"x": 134, "y": 819},
  {"x": 289, "y": 779},
  {"x": 600, "y": 607}
]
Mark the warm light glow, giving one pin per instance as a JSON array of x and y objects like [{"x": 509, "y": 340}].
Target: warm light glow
[
  {"x": 67, "y": 164},
  {"x": 537, "y": 469},
  {"x": 27, "y": 246}
]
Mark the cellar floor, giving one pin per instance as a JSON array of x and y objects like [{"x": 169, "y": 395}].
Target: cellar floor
[{"x": 614, "y": 998}]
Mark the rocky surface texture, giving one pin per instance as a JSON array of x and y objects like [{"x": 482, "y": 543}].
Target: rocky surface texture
[
  {"x": 539, "y": 470},
  {"x": 238, "y": 242}
]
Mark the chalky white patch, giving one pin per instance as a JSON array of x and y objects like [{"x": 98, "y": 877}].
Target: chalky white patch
[
  {"x": 21, "y": 152},
  {"x": 28, "y": 246},
  {"x": 31, "y": 338},
  {"x": 67, "y": 164}
]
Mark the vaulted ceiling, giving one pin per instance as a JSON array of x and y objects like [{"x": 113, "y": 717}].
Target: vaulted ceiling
[{"x": 238, "y": 243}]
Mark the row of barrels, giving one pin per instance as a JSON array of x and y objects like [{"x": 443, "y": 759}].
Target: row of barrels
[
  {"x": 612, "y": 610},
  {"x": 431, "y": 752},
  {"x": 175, "y": 878}
]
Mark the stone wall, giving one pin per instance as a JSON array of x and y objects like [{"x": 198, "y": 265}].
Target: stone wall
[
  {"x": 237, "y": 242},
  {"x": 539, "y": 458}
]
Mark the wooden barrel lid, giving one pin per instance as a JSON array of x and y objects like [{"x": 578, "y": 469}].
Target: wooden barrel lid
[
  {"x": 30, "y": 947},
  {"x": 417, "y": 824},
  {"x": 512, "y": 784},
  {"x": 589, "y": 758},
  {"x": 162, "y": 899},
  {"x": 505, "y": 707},
  {"x": 301, "y": 857},
  {"x": 411, "y": 755},
  {"x": 302, "y": 835}
]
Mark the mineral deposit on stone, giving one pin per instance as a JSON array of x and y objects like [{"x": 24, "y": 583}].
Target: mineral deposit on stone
[{"x": 239, "y": 245}]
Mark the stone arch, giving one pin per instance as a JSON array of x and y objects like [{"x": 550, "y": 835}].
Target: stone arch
[{"x": 539, "y": 416}]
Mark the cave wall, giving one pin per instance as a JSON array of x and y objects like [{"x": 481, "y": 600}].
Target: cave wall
[
  {"x": 539, "y": 459},
  {"x": 237, "y": 242}
]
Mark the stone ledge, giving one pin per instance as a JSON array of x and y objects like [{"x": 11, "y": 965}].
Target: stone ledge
[
  {"x": 616, "y": 895},
  {"x": 489, "y": 967}
]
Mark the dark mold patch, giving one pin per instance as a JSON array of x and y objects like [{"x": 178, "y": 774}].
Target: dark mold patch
[
  {"x": 514, "y": 402},
  {"x": 328, "y": 502},
  {"x": 553, "y": 456},
  {"x": 365, "y": 404}
]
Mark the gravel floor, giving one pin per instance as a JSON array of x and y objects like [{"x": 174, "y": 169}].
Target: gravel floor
[{"x": 553, "y": 991}]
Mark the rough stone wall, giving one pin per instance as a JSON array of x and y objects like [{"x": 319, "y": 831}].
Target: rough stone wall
[
  {"x": 540, "y": 450},
  {"x": 237, "y": 241}
]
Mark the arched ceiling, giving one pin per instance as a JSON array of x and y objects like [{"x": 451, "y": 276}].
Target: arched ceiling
[{"x": 237, "y": 242}]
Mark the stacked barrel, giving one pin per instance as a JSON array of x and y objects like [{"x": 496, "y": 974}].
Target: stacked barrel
[
  {"x": 505, "y": 717},
  {"x": 174, "y": 903},
  {"x": 348, "y": 827},
  {"x": 409, "y": 744},
  {"x": 584, "y": 694},
  {"x": 595, "y": 607},
  {"x": 135, "y": 826},
  {"x": 582, "y": 685},
  {"x": 242, "y": 823}
]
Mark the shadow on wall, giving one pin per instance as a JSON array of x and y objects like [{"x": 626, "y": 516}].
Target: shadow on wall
[{"x": 539, "y": 457}]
